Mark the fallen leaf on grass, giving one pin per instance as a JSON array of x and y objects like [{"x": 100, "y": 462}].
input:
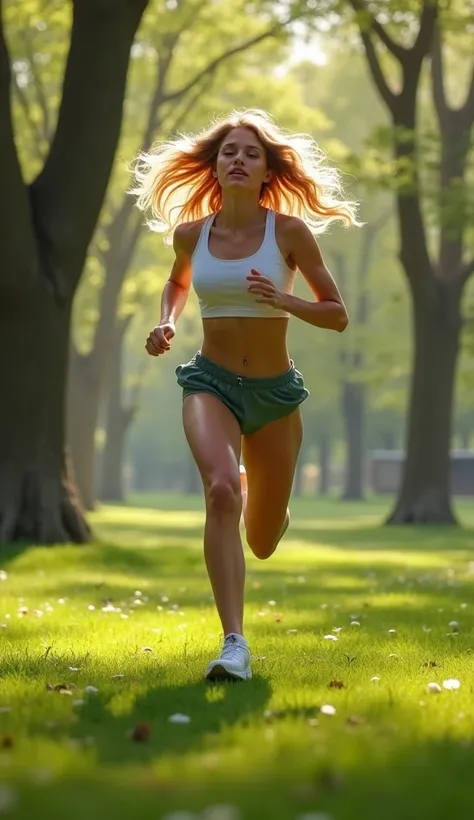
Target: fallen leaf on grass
[
  {"x": 430, "y": 664},
  {"x": 62, "y": 688},
  {"x": 179, "y": 718},
  {"x": 330, "y": 638},
  {"x": 141, "y": 733},
  {"x": 327, "y": 709},
  {"x": 434, "y": 688},
  {"x": 118, "y": 677},
  {"x": 451, "y": 684},
  {"x": 336, "y": 684},
  {"x": 354, "y": 720},
  {"x": 147, "y": 649},
  {"x": 331, "y": 779},
  {"x": 91, "y": 690},
  {"x": 375, "y": 679}
]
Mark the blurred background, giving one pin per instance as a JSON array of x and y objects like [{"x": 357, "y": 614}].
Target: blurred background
[{"x": 311, "y": 65}]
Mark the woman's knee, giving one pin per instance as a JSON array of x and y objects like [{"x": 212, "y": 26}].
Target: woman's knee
[
  {"x": 223, "y": 494},
  {"x": 264, "y": 541}
]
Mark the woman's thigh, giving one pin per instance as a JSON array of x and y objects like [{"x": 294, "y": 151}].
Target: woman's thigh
[{"x": 214, "y": 437}]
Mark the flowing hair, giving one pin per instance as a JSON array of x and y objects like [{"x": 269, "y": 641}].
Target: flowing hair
[{"x": 174, "y": 182}]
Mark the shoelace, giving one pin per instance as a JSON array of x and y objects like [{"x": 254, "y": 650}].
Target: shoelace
[{"x": 232, "y": 648}]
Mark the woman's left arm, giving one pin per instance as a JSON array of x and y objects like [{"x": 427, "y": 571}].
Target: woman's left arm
[{"x": 329, "y": 310}]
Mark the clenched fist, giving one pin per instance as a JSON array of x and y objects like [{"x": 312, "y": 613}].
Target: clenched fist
[{"x": 159, "y": 340}]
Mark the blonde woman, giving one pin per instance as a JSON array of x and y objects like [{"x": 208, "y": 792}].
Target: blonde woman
[{"x": 243, "y": 201}]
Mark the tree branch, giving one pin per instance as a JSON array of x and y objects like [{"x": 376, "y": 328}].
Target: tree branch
[
  {"x": 395, "y": 48},
  {"x": 214, "y": 64},
  {"x": 437, "y": 77},
  {"x": 374, "y": 64},
  {"x": 16, "y": 235}
]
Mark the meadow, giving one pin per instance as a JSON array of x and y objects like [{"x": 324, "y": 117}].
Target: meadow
[{"x": 361, "y": 703}]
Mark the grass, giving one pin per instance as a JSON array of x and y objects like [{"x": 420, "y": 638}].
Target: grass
[{"x": 391, "y": 750}]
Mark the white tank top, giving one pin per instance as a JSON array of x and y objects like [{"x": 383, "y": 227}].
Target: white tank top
[{"x": 221, "y": 284}]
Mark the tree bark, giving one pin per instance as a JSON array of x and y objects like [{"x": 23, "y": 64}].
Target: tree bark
[
  {"x": 324, "y": 447},
  {"x": 353, "y": 410},
  {"x": 45, "y": 230},
  {"x": 425, "y": 493},
  {"x": 38, "y": 502},
  {"x": 118, "y": 420},
  {"x": 83, "y": 399}
]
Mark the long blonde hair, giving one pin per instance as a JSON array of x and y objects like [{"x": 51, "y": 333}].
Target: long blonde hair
[{"x": 174, "y": 182}]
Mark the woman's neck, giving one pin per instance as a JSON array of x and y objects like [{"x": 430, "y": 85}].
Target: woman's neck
[{"x": 239, "y": 213}]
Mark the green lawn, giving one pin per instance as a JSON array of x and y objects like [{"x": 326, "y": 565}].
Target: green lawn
[{"x": 82, "y": 616}]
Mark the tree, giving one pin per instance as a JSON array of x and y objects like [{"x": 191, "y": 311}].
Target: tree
[
  {"x": 436, "y": 276},
  {"x": 45, "y": 229}
]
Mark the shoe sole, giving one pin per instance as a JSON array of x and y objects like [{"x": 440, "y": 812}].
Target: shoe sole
[{"x": 220, "y": 673}]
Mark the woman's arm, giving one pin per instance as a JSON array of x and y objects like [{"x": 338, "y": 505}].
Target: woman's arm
[
  {"x": 176, "y": 290},
  {"x": 329, "y": 310}
]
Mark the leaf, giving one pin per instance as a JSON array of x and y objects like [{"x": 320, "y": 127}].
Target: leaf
[{"x": 141, "y": 733}]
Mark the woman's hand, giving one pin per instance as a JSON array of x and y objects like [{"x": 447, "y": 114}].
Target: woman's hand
[
  {"x": 159, "y": 340},
  {"x": 265, "y": 290}
]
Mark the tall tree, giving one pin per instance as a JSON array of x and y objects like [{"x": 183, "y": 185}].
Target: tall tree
[
  {"x": 45, "y": 230},
  {"x": 436, "y": 276}
]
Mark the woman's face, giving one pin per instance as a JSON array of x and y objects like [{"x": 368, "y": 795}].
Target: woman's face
[{"x": 241, "y": 161}]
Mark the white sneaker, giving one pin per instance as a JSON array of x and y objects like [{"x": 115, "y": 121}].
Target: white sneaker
[{"x": 234, "y": 661}]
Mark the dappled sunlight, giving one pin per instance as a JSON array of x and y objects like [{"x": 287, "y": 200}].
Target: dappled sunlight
[{"x": 346, "y": 641}]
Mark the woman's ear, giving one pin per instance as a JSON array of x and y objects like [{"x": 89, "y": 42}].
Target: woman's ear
[{"x": 268, "y": 176}]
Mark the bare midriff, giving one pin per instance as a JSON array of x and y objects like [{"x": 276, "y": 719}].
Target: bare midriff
[{"x": 253, "y": 347}]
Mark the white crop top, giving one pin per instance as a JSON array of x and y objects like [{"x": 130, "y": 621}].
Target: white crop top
[{"x": 221, "y": 284}]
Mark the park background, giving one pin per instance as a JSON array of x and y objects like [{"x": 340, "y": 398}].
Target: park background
[{"x": 100, "y": 507}]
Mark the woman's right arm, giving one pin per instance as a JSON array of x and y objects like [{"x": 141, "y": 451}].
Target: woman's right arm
[{"x": 176, "y": 290}]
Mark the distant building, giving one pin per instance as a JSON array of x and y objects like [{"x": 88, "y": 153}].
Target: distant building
[{"x": 385, "y": 471}]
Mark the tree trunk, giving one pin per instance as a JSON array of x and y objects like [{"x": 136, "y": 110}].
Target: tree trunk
[
  {"x": 353, "y": 412},
  {"x": 425, "y": 488},
  {"x": 298, "y": 480},
  {"x": 117, "y": 423},
  {"x": 118, "y": 418},
  {"x": 37, "y": 499},
  {"x": 324, "y": 447},
  {"x": 193, "y": 479},
  {"x": 82, "y": 412},
  {"x": 45, "y": 230}
]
